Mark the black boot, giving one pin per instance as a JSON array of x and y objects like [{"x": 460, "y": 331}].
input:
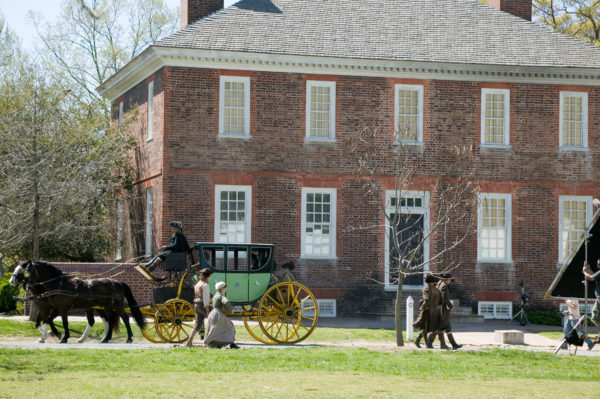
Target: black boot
[
  {"x": 418, "y": 340},
  {"x": 455, "y": 346},
  {"x": 430, "y": 340},
  {"x": 442, "y": 341}
]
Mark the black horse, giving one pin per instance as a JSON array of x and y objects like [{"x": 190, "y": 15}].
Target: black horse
[{"x": 59, "y": 293}]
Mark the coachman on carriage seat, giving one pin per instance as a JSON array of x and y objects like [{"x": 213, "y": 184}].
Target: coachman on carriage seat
[{"x": 179, "y": 244}]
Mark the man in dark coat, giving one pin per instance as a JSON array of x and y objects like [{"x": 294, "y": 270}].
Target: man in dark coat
[
  {"x": 446, "y": 309},
  {"x": 429, "y": 312},
  {"x": 178, "y": 244}
]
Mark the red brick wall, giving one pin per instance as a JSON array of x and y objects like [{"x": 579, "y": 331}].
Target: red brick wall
[{"x": 277, "y": 162}]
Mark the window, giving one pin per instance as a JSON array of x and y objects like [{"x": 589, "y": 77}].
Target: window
[
  {"x": 234, "y": 106},
  {"x": 494, "y": 228},
  {"x": 495, "y": 310},
  {"x": 150, "y": 108},
  {"x": 233, "y": 206},
  {"x": 495, "y": 114},
  {"x": 575, "y": 214},
  {"x": 320, "y": 110},
  {"x": 318, "y": 222},
  {"x": 120, "y": 113},
  {"x": 149, "y": 221},
  {"x": 573, "y": 119},
  {"x": 409, "y": 113},
  {"x": 119, "y": 229},
  {"x": 410, "y": 209}
]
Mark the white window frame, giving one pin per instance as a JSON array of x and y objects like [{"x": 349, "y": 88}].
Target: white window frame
[
  {"x": 234, "y": 79},
  {"x": 422, "y": 210},
  {"x": 120, "y": 113},
  {"x": 248, "y": 208},
  {"x": 150, "y": 109},
  {"x": 149, "y": 212},
  {"x": 119, "y": 235},
  {"x": 588, "y": 219},
  {"x": 332, "y": 223},
  {"x": 507, "y": 225},
  {"x": 495, "y": 314},
  {"x": 332, "y": 102},
  {"x": 506, "y": 137},
  {"x": 420, "y": 90},
  {"x": 584, "y": 119}
]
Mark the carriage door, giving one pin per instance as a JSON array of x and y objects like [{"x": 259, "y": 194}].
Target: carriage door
[
  {"x": 237, "y": 273},
  {"x": 411, "y": 211}
]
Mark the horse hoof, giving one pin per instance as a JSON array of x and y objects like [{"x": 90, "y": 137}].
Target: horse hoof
[
  {"x": 63, "y": 341},
  {"x": 80, "y": 341},
  {"x": 129, "y": 341},
  {"x": 41, "y": 341},
  {"x": 104, "y": 341}
]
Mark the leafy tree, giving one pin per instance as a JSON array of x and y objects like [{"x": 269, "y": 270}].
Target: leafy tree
[
  {"x": 59, "y": 171},
  {"x": 577, "y": 18},
  {"x": 91, "y": 40}
]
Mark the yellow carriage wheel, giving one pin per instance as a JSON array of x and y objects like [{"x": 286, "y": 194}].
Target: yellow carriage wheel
[
  {"x": 175, "y": 319},
  {"x": 288, "y": 312},
  {"x": 149, "y": 331},
  {"x": 253, "y": 326}
]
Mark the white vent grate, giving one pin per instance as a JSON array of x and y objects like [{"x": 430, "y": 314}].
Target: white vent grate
[
  {"x": 495, "y": 310},
  {"x": 327, "y": 308}
]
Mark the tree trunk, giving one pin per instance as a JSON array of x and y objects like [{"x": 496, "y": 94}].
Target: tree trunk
[{"x": 397, "y": 312}]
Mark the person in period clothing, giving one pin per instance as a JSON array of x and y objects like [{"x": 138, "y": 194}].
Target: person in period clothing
[
  {"x": 429, "y": 312},
  {"x": 178, "y": 244},
  {"x": 220, "y": 332},
  {"x": 285, "y": 273},
  {"x": 587, "y": 272},
  {"x": 574, "y": 336},
  {"x": 201, "y": 304},
  {"x": 446, "y": 309}
]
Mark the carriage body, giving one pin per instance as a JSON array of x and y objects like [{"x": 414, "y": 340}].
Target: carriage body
[{"x": 273, "y": 311}]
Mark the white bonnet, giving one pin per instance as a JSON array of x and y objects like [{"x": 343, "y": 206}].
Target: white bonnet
[{"x": 220, "y": 284}]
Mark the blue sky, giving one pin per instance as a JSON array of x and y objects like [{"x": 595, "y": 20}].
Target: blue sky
[{"x": 15, "y": 12}]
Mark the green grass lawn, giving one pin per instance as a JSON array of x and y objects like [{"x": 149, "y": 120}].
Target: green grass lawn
[
  {"x": 14, "y": 328},
  {"x": 302, "y": 372}
]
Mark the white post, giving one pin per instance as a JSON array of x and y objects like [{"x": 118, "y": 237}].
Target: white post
[{"x": 409, "y": 318}]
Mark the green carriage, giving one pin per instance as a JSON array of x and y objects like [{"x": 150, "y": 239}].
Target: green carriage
[{"x": 274, "y": 311}]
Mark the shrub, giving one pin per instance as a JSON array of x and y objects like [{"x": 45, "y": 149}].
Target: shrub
[
  {"x": 7, "y": 303},
  {"x": 545, "y": 317}
]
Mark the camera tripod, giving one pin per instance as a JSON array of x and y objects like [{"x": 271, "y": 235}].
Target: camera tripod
[{"x": 521, "y": 317}]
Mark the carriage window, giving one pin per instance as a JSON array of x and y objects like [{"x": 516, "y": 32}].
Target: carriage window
[
  {"x": 214, "y": 257},
  {"x": 259, "y": 258},
  {"x": 237, "y": 259}
]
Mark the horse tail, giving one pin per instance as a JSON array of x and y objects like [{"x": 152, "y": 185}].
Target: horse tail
[
  {"x": 116, "y": 320},
  {"x": 134, "y": 308}
]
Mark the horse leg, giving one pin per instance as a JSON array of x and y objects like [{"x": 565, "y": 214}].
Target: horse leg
[
  {"x": 89, "y": 312},
  {"x": 108, "y": 331},
  {"x": 65, "y": 319},
  {"x": 43, "y": 329},
  {"x": 50, "y": 321},
  {"x": 125, "y": 318}
]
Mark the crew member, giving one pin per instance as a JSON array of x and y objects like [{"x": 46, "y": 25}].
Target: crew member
[{"x": 587, "y": 272}]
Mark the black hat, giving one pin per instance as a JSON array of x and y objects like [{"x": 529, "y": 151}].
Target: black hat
[
  {"x": 446, "y": 276},
  {"x": 290, "y": 265},
  {"x": 430, "y": 278},
  {"x": 176, "y": 224}
]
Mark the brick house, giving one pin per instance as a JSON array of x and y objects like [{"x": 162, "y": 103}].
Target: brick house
[{"x": 243, "y": 118}]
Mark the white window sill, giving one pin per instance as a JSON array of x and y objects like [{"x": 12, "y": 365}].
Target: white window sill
[
  {"x": 405, "y": 288},
  {"x": 149, "y": 140},
  {"x": 311, "y": 257},
  {"x": 496, "y": 146},
  {"x": 233, "y": 136},
  {"x": 410, "y": 143},
  {"x": 574, "y": 149},
  {"x": 495, "y": 261},
  {"x": 319, "y": 140}
]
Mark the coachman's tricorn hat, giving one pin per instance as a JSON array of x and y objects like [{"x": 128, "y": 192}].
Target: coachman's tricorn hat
[{"x": 176, "y": 224}]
